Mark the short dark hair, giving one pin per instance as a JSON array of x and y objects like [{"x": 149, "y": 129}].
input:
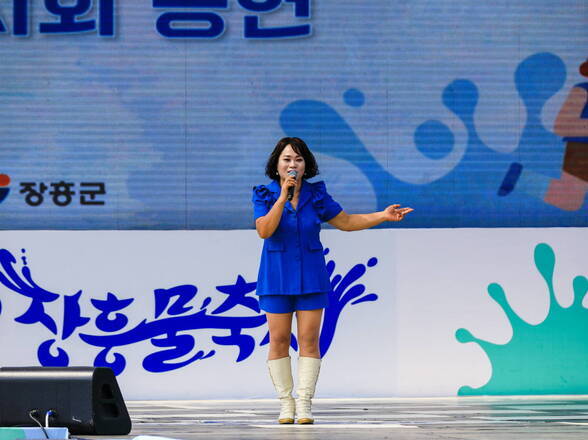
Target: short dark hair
[{"x": 300, "y": 147}]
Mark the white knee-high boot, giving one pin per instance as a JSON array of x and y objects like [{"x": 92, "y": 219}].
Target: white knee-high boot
[
  {"x": 281, "y": 373},
  {"x": 308, "y": 371}
]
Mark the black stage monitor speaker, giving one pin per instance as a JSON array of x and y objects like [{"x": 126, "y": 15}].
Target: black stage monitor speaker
[{"x": 86, "y": 400}]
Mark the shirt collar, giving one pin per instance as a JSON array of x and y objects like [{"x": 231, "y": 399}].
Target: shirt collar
[{"x": 305, "y": 192}]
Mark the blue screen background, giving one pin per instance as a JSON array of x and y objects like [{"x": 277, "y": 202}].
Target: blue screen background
[{"x": 423, "y": 103}]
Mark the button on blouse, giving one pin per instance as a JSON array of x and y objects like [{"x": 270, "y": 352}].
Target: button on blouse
[{"x": 292, "y": 260}]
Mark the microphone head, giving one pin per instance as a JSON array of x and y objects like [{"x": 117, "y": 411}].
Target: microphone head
[{"x": 293, "y": 173}]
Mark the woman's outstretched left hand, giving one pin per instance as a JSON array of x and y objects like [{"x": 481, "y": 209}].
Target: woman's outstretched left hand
[{"x": 394, "y": 213}]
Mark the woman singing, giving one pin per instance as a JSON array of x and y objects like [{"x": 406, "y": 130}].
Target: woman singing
[{"x": 292, "y": 273}]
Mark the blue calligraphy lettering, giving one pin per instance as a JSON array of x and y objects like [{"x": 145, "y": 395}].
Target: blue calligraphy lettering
[
  {"x": 27, "y": 287},
  {"x": 237, "y": 296},
  {"x": 47, "y": 359},
  {"x": 174, "y": 317},
  {"x": 150, "y": 330},
  {"x": 117, "y": 365},
  {"x": 72, "y": 315},
  {"x": 245, "y": 343},
  {"x": 111, "y": 304},
  {"x": 182, "y": 345},
  {"x": 185, "y": 294}
]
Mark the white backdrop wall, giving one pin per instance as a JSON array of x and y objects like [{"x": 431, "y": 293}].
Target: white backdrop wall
[{"x": 401, "y": 341}]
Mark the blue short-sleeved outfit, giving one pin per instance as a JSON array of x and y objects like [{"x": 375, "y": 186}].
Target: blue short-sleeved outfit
[{"x": 292, "y": 272}]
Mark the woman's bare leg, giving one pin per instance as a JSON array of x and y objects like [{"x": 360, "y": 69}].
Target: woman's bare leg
[
  {"x": 280, "y": 329},
  {"x": 309, "y": 327}
]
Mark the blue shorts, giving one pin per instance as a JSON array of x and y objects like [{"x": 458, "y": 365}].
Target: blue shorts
[{"x": 291, "y": 303}]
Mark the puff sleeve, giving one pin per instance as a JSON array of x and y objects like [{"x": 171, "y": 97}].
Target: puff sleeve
[
  {"x": 262, "y": 201},
  {"x": 323, "y": 203}
]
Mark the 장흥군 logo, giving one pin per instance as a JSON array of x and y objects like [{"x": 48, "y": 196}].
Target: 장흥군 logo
[{"x": 4, "y": 188}]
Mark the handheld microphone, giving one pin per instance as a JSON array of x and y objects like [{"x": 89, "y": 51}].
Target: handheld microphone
[{"x": 294, "y": 174}]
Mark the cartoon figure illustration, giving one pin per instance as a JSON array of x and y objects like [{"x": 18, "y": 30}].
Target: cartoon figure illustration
[{"x": 569, "y": 191}]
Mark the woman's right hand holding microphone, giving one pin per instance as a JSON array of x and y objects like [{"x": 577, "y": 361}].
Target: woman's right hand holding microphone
[{"x": 289, "y": 182}]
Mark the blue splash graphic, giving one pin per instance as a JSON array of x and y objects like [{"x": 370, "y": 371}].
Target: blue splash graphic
[
  {"x": 434, "y": 139},
  {"x": 474, "y": 183},
  {"x": 472, "y": 194},
  {"x": 345, "y": 290},
  {"x": 178, "y": 315},
  {"x": 354, "y": 98}
]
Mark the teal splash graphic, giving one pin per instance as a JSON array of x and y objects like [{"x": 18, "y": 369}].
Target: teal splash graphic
[{"x": 548, "y": 358}]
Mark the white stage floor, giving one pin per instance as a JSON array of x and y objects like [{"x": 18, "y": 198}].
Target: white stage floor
[{"x": 467, "y": 418}]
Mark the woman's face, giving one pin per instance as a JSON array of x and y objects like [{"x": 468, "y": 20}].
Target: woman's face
[{"x": 288, "y": 161}]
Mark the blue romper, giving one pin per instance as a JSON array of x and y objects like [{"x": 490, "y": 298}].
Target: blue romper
[{"x": 292, "y": 272}]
